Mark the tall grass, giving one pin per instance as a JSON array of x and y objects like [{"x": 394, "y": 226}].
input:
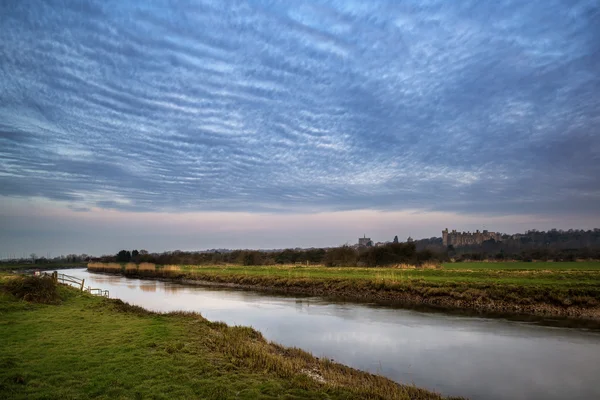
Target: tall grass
[
  {"x": 104, "y": 267},
  {"x": 146, "y": 267},
  {"x": 247, "y": 348},
  {"x": 130, "y": 268},
  {"x": 171, "y": 268}
]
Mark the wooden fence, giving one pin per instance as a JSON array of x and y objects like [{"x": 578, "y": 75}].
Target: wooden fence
[{"x": 77, "y": 282}]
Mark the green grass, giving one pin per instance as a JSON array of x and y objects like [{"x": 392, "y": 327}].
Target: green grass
[
  {"x": 562, "y": 276},
  {"x": 89, "y": 347},
  {"x": 518, "y": 265}
]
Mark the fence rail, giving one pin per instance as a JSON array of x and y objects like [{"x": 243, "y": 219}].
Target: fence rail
[
  {"x": 77, "y": 282},
  {"x": 97, "y": 292}
]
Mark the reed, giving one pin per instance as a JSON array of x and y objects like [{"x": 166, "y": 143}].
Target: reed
[
  {"x": 95, "y": 266},
  {"x": 171, "y": 270},
  {"x": 130, "y": 268},
  {"x": 147, "y": 267},
  {"x": 104, "y": 267}
]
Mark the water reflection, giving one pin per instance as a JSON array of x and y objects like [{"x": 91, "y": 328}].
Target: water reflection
[
  {"x": 173, "y": 289},
  {"x": 474, "y": 357},
  {"x": 148, "y": 286}
]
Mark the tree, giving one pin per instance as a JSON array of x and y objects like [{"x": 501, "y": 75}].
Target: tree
[
  {"x": 396, "y": 239},
  {"x": 251, "y": 258},
  {"x": 123, "y": 256},
  {"x": 288, "y": 256},
  {"x": 33, "y": 257},
  {"x": 451, "y": 251},
  {"x": 344, "y": 256}
]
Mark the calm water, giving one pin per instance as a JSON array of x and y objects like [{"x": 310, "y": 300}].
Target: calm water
[{"x": 474, "y": 357}]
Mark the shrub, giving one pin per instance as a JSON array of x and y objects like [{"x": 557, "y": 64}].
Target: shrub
[{"x": 34, "y": 289}]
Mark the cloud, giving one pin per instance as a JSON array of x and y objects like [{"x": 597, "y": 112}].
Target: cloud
[{"x": 307, "y": 107}]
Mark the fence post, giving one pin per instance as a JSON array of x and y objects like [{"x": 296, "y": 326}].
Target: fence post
[
  {"x": 82, "y": 282},
  {"x": 55, "y": 276}
]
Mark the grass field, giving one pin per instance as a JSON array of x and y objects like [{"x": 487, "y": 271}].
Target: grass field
[
  {"x": 556, "y": 275},
  {"x": 89, "y": 347},
  {"x": 516, "y": 265}
]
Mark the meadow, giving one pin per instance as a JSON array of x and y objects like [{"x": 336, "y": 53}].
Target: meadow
[
  {"x": 544, "y": 288},
  {"x": 520, "y": 265},
  {"x": 78, "y": 346}
]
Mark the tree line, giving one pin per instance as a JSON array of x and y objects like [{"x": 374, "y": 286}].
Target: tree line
[
  {"x": 343, "y": 256},
  {"x": 552, "y": 245}
]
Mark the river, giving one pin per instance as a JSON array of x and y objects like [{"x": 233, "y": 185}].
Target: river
[{"x": 478, "y": 358}]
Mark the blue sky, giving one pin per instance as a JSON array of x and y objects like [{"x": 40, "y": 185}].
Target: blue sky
[{"x": 422, "y": 112}]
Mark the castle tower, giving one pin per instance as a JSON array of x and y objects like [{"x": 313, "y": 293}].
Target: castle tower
[{"x": 445, "y": 237}]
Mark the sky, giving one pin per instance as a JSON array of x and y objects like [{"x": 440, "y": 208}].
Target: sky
[{"x": 268, "y": 124}]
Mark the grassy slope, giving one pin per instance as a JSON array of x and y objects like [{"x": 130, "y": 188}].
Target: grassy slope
[{"x": 91, "y": 347}]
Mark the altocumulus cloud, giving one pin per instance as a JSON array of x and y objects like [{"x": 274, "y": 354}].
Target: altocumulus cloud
[{"x": 469, "y": 106}]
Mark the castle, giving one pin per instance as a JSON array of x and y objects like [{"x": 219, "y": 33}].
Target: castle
[
  {"x": 365, "y": 241},
  {"x": 467, "y": 238}
]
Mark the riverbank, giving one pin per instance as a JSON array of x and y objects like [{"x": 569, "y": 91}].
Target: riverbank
[
  {"x": 558, "y": 292},
  {"x": 81, "y": 346}
]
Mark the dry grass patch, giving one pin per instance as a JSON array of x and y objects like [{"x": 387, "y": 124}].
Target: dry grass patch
[
  {"x": 404, "y": 266},
  {"x": 247, "y": 348},
  {"x": 104, "y": 267},
  {"x": 95, "y": 265},
  {"x": 430, "y": 266},
  {"x": 130, "y": 267},
  {"x": 147, "y": 267},
  {"x": 170, "y": 270}
]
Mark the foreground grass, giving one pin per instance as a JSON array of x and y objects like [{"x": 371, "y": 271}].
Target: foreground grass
[
  {"x": 89, "y": 347},
  {"x": 553, "y": 289}
]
